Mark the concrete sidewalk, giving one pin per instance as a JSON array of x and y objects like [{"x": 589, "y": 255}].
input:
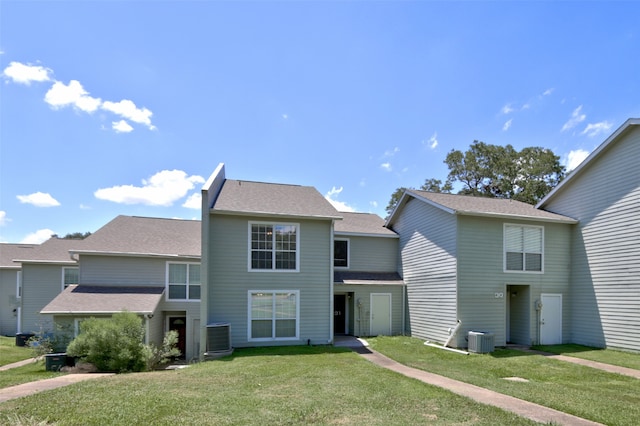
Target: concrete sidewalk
[{"x": 30, "y": 388}]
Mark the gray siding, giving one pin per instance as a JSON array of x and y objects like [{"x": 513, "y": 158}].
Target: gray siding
[
  {"x": 372, "y": 254},
  {"x": 40, "y": 284},
  {"x": 122, "y": 271},
  {"x": 229, "y": 280},
  {"x": 358, "y": 316},
  {"x": 605, "y": 198},
  {"x": 481, "y": 275},
  {"x": 8, "y": 302},
  {"x": 428, "y": 262}
]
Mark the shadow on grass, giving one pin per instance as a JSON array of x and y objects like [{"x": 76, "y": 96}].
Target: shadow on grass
[{"x": 564, "y": 349}]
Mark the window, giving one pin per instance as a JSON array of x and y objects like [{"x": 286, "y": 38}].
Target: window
[
  {"x": 273, "y": 315},
  {"x": 70, "y": 276},
  {"x": 19, "y": 285},
  {"x": 273, "y": 246},
  {"x": 523, "y": 248},
  {"x": 341, "y": 253},
  {"x": 183, "y": 281}
]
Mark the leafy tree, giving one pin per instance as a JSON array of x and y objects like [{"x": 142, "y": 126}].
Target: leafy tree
[
  {"x": 77, "y": 235},
  {"x": 497, "y": 171}
]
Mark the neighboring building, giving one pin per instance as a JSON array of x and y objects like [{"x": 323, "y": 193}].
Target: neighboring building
[
  {"x": 11, "y": 286},
  {"x": 603, "y": 195},
  {"x": 148, "y": 266},
  {"x": 268, "y": 258},
  {"x": 484, "y": 261}
]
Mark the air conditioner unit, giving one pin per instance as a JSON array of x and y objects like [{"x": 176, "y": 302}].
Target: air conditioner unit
[
  {"x": 218, "y": 340},
  {"x": 481, "y": 342}
]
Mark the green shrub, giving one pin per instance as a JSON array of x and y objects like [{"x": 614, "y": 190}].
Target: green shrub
[
  {"x": 159, "y": 356},
  {"x": 113, "y": 344}
]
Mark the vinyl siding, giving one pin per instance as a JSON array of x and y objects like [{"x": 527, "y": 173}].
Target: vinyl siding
[
  {"x": 230, "y": 281},
  {"x": 40, "y": 284},
  {"x": 358, "y": 317},
  {"x": 123, "y": 271},
  {"x": 372, "y": 254},
  {"x": 8, "y": 302},
  {"x": 481, "y": 275},
  {"x": 605, "y": 198},
  {"x": 428, "y": 266}
]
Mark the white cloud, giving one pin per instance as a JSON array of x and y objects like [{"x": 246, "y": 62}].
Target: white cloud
[
  {"x": 392, "y": 152},
  {"x": 38, "y": 237},
  {"x": 194, "y": 201},
  {"x": 338, "y": 205},
  {"x": 161, "y": 189},
  {"x": 121, "y": 126},
  {"x": 374, "y": 204},
  {"x": 386, "y": 167},
  {"x": 74, "y": 95},
  {"x": 507, "y": 125},
  {"x": 127, "y": 109},
  {"x": 594, "y": 129},
  {"x": 84, "y": 207},
  {"x": 576, "y": 118},
  {"x": 548, "y": 92},
  {"x": 507, "y": 109},
  {"x": 574, "y": 158},
  {"x": 25, "y": 74},
  {"x": 39, "y": 199},
  {"x": 432, "y": 142},
  {"x": 3, "y": 218}
]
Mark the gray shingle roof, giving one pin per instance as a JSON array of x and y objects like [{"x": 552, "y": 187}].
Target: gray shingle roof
[
  {"x": 84, "y": 299},
  {"x": 9, "y": 252},
  {"x": 485, "y": 206},
  {"x": 362, "y": 223},
  {"x": 54, "y": 250},
  {"x": 348, "y": 277},
  {"x": 146, "y": 236},
  {"x": 243, "y": 197}
]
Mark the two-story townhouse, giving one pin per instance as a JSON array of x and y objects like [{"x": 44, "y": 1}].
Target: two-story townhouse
[
  {"x": 603, "y": 194},
  {"x": 149, "y": 266},
  {"x": 496, "y": 265},
  {"x": 11, "y": 286}
]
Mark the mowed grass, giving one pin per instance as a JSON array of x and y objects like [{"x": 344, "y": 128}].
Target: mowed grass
[
  {"x": 275, "y": 386},
  {"x": 608, "y": 356},
  {"x": 10, "y": 353},
  {"x": 603, "y": 397}
]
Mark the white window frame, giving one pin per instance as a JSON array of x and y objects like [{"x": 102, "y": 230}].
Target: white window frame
[
  {"x": 524, "y": 257},
  {"x": 274, "y": 251},
  {"x": 19, "y": 285},
  {"x": 167, "y": 283},
  {"x": 63, "y": 287},
  {"x": 273, "y": 337},
  {"x": 348, "y": 253}
]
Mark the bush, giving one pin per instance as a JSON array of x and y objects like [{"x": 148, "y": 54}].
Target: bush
[
  {"x": 113, "y": 344},
  {"x": 46, "y": 341},
  {"x": 157, "y": 357}
]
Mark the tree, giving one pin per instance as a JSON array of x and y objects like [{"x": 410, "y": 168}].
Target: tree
[
  {"x": 499, "y": 172},
  {"x": 77, "y": 235}
]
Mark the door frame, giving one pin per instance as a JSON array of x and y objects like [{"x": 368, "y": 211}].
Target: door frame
[
  {"x": 182, "y": 336},
  {"x": 345, "y": 314},
  {"x": 557, "y": 314},
  {"x": 371, "y": 297}
]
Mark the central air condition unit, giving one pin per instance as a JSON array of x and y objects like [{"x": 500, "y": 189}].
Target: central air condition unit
[
  {"x": 481, "y": 342},
  {"x": 218, "y": 340}
]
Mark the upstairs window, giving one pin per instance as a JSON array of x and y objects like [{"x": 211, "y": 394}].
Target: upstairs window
[
  {"x": 523, "y": 248},
  {"x": 183, "y": 281},
  {"x": 70, "y": 276},
  {"x": 341, "y": 253},
  {"x": 273, "y": 247}
]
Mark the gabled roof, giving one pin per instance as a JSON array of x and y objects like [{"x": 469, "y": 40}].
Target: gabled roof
[
  {"x": 479, "y": 206},
  {"x": 272, "y": 199},
  {"x": 145, "y": 236},
  {"x": 54, "y": 250},
  {"x": 626, "y": 127},
  {"x": 9, "y": 252},
  {"x": 85, "y": 299},
  {"x": 362, "y": 224}
]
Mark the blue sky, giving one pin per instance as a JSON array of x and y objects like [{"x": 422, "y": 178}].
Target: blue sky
[{"x": 111, "y": 108}]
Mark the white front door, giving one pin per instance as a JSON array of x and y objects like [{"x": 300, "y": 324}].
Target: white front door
[
  {"x": 380, "y": 314},
  {"x": 551, "y": 319}
]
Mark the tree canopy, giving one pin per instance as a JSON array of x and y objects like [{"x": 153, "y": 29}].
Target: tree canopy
[{"x": 497, "y": 171}]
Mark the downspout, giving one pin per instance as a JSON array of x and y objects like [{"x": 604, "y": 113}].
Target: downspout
[
  {"x": 331, "y": 279},
  {"x": 404, "y": 303},
  {"x": 453, "y": 333}
]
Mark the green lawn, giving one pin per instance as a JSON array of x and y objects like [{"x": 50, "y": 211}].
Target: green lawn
[
  {"x": 608, "y": 356},
  {"x": 10, "y": 353},
  {"x": 296, "y": 385},
  {"x": 607, "y": 398}
]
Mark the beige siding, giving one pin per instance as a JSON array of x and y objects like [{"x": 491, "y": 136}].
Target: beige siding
[
  {"x": 359, "y": 313},
  {"x": 428, "y": 259},
  {"x": 230, "y": 280},
  {"x": 8, "y": 302},
  {"x": 372, "y": 254},
  {"x": 482, "y": 282},
  {"x": 605, "y": 295},
  {"x": 40, "y": 284}
]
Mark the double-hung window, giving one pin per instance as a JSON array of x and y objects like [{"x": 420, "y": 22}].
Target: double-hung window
[
  {"x": 523, "y": 248},
  {"x": 274, "y": 315},
  {"x": 273, "y": 247},
  {"x": 70, "y": 276},
  {"x": 341, "y": 253},
  {"x": 183, "y": 281}
]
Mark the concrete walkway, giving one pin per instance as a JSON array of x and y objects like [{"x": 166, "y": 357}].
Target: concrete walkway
[
  {"x": 593, "y": 364},
  {"x": 30, "y": 388}
]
